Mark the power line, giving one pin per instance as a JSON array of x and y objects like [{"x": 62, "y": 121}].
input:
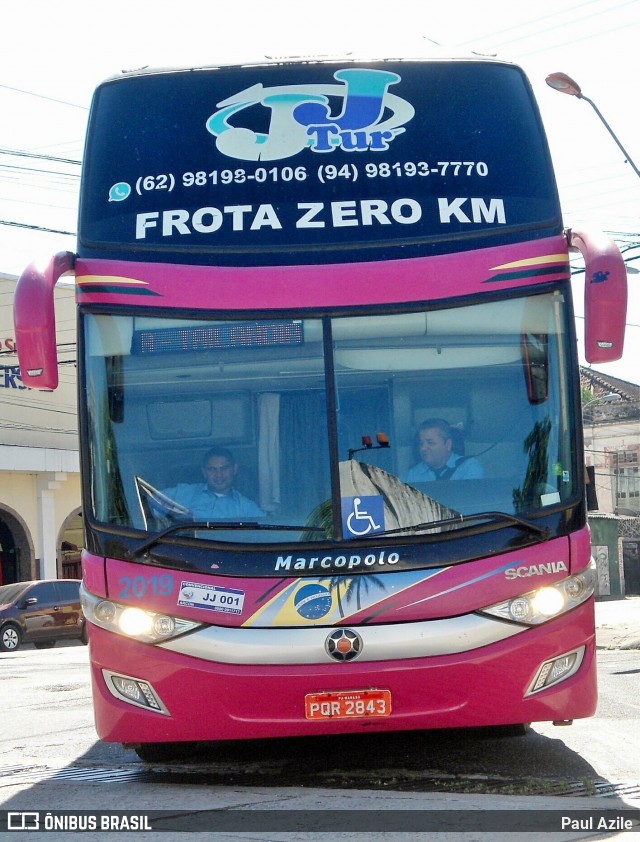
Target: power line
[
  {"x": 19, "y": 153},
  {"x": 36, "y": 228},
  {"x": 562, "y": 25},
  {"x": 41, "y": 96},
  {"x": 553, "y": 15},
  {"x": 575, "y": 39},
  {"x": 18, "y": 169}
]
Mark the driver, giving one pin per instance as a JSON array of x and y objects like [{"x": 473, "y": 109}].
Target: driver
[
  {"x": 215, "y": 498},
  {"x": 439, "y": 460}
]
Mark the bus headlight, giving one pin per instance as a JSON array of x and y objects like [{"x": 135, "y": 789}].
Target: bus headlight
[
  {"x": 135, "y": 622},
  {"x": 131, "y": 621},
  {"x": 549, "y": 601}
]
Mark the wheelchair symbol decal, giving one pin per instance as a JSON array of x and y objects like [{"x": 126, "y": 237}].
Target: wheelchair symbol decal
[{"x": 362, "y": 516}]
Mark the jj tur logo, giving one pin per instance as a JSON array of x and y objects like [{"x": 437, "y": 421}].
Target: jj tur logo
[{"x": 356, "y": 115}]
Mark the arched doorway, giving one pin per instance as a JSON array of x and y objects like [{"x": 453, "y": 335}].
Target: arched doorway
[
  {"x": 16, "y": 550},
  {"x": 70, "y": 547}
]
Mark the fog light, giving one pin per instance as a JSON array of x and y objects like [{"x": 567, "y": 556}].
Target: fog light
[
  {"x": 134, "y": 691},
  {"x": 561, "y": 667},
  {"x": 556, "y": 670},
  {"x": 127, "y": 687}
]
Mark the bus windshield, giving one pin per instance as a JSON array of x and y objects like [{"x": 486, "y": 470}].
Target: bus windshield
[{"x": 320, "y": 429}]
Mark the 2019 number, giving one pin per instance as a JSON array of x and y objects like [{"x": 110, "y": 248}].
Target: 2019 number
[{"x": 138, "y": 587}]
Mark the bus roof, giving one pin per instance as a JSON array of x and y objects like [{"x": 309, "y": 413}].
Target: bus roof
[{"x": 422, "y": 51}]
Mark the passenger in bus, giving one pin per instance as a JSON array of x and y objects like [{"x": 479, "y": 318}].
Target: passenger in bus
[
  {"x": 215, "y": 498},
  {"x": 439, "y": 459}
]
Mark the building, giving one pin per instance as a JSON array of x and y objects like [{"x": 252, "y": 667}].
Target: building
[
  {"x": 611, "y": 422},
  {"x": 40, "y": 515}
]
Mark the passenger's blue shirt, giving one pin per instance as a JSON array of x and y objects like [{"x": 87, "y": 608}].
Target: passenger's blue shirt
[
  {"x": 470, "y": 468},
  {"x": 207, "y": 505}
]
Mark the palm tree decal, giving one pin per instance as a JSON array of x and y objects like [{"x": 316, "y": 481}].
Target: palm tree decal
[{"x": 348, "y": 588}]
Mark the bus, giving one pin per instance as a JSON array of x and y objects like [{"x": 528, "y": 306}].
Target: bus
[{"x": 285, "y": 272}]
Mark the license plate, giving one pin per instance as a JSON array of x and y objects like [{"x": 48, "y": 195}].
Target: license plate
[{"x": 348, "y": 704}]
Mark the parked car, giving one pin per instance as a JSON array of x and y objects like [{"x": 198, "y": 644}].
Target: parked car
[{"x": 40, "y": 612}]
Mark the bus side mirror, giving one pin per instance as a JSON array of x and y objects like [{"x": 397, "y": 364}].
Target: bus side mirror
[
  {"x": 35, "y": 321},
  {"x": 605, "y": 296}
]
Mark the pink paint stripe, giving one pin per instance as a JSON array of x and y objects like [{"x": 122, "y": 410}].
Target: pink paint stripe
[{"x": 323, "y": 285}]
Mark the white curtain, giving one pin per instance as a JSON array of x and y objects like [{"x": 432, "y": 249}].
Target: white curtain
[{"x": 269, "y": 451}]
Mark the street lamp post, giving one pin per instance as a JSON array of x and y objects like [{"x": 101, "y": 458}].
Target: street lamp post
[
  {"x": 612, "y": 397},
  {"x": 566, "y": 85}
]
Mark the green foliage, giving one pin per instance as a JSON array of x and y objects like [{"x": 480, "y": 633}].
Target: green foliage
[{"x": 586, "y": 395}]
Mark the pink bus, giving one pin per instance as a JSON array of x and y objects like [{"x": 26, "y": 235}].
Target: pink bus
[{"x": 329, "y": 402}]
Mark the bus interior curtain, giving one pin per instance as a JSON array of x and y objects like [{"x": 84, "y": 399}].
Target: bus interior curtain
[{"x": 269, "y": 451}]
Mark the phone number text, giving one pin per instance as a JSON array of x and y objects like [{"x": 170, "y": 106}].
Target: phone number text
[{"x": 324, "y": 173}]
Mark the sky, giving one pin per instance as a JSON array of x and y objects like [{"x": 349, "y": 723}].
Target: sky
[{"x": 55, "y": 52}]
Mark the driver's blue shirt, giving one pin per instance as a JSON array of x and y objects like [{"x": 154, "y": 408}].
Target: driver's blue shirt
[
  {"x": 469, "y": 468},
  {"x": 207, "y": 505}
]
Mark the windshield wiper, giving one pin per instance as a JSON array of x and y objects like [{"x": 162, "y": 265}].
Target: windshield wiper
[
  {"x": 149, "y": 542},
  {"x": 459, "y": 520}
]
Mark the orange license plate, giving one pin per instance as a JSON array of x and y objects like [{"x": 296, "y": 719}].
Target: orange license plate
[{"x": 348, "y": 704}]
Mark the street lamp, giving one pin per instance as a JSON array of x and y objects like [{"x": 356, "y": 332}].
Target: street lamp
[
  {"x": 566, "y": 85},
  {"x": 612, "y": 397}
]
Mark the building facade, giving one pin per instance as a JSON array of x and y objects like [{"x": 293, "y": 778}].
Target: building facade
[
  {"x": 40, "y": 510},
  {"x": 611, "y": 424}
]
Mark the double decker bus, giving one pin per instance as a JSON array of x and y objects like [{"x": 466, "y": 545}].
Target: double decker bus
[{"x": 287, "y": 271}]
